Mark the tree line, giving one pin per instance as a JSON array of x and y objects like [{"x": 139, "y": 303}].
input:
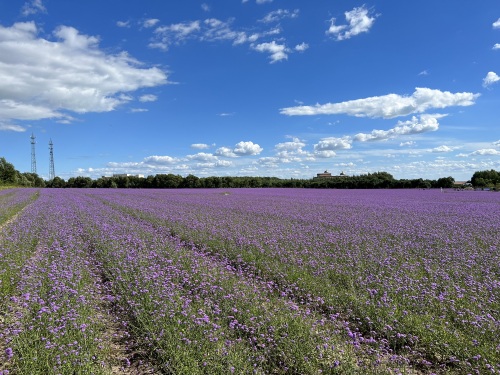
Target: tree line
[
  {"x": 378, "y": 180},
  {"x": 10, "y": 176}
]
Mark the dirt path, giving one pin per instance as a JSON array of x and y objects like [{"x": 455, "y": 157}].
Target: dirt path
[{"x": 124, "y": 356}]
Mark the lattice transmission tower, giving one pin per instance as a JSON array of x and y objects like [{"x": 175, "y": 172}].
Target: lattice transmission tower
[
  {"x": 52, "y": 172},
  {"x": 33, "y": 158}
]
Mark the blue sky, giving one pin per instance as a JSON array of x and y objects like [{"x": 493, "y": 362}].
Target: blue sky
[{"x": 251, "y": 87}]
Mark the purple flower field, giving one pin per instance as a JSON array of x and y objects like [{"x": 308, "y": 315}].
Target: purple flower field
[{"x": 257, "y": 281}]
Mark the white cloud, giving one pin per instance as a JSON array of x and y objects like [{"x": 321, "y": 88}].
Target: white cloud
[
  {"x": 202, "y": 156},
  {"x": 295, "y": 145},
  {"x": 205, "y": 7},
  {"x": 148, "y": 98},
  {"x": 174, "y": 33},
  {"x": 301, "y": 47},
  {"x": 269, "y": 162},
  {"x": 332, "y": 143},
  {"x": 223, "y": 163},
  {"x": 279, "y": 14},
  {"x": 213, "y": 29},
  {"x": 496, "y": 46},
  {"x": 155, "y": 159},
  {"x": 423, "y": 73},
  {"x": 33, "y": 7},
  {"x": 496, "y": 24},
  {"x": 414, "y": 126},
  {"x": 247, "y": 148},
  {"x": 150, "y": 22},
  {"x": 388, "y": 106},
  {"x": 200, "y": 146},
  {"x": 278, "y": 51},
  {"x": 324, "y": 154},
  {"x": 497, "y": 143},
  {"x": 486, "y": 151},
  {"x": 409, "y": 144},
  {"x": 264, "y": 1},
  {"x": 359, "y": 21},
  {"x": 443, "y": 148},
  {"x": 123, "y": 23},
  {"x": 292, "y": 151},
  {"x": 490, "y": 79},
  {"x": 12, "y": 127},
  {"x": 226, "y": 152},
  {"x": 43, "y": 78},
  {"x": 139, "y": 110}
]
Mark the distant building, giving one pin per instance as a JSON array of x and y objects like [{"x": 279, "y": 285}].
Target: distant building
[{"x": 328, "y": 175}]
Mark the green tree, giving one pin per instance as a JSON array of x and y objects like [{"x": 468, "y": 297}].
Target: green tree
[
  {"x": 8, "y": 174},
  {"x": 445, "y": 182},
  {"x": 485, "y": 178},
  {"x": 33, "y": 180},
  {"x": 190, "y": 181}
]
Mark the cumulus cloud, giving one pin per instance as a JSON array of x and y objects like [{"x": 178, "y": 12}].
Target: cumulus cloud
[
  {"x": 44, "y": 79},
  {"x": 490, "y": 79},
  {"x": 295, "y": 146},
  {"x": 388, "y": 106},
  {"x": 292, "y": 151},
  {"x": 486, "y": 151},
  {"x": 247, "y": 148},
  {"x": 497, "y": 143},
  {"x": 331, "y": 144},
  {"x": 226, "y": 152},
  {"x": 359, "y": 20},
  {"x": 277, "y": 51},
  {"x": 496, "y": 46},
  {"x": 301, "y": 47},
  {"x": 426, "y": 123},
  {"x": 496, "y": 24}
]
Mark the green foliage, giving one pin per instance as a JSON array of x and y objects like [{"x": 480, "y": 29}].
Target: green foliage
[
  {"x": 483, "y": 179},
  {"x": 9, "y": 175}
]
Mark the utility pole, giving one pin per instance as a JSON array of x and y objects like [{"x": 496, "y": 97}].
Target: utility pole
[
  {"x": 33, "y": 158},
  {"x": 52, "y": 173}
]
